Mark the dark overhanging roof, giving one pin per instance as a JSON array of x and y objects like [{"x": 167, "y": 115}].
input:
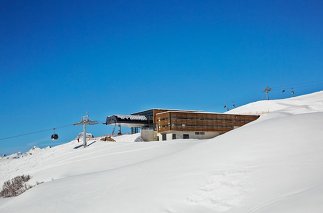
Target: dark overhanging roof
[{"x": 127, "y": 120}]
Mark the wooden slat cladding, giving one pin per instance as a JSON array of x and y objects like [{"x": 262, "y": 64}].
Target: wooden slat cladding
[
  {"x": 163, "y": 122},
  {"x": 155, "y": 112},
  {"x": 196, "y": 121}
]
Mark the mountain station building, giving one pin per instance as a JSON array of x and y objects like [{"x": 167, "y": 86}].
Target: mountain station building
[{"x": 166, "y": 124}]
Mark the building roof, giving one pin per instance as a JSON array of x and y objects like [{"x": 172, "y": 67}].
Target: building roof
[
  {"x": 127, "y": 120},
  {"x": 161, "y": 109},
  {"x": 200, "y": 112},
  {"x": 132, "y": 117}
]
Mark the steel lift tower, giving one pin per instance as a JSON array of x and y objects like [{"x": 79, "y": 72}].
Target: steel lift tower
[{"x": 85, "y": 121}]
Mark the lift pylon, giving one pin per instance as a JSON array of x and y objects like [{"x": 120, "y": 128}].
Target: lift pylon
[{"x": 84, "y": 122}]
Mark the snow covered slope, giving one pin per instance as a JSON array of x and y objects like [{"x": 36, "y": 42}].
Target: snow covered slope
[
  {"x": 296, "y": 105},
  {"x": 272, "y": 165}
]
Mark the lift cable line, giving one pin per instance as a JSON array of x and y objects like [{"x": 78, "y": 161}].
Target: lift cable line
[
  {"x": 84, "y": 122},
  {"x": 296, "y": 85},
  {"x": 34, "y": 132}
]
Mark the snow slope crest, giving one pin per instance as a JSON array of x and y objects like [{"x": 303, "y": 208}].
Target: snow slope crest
[{"x": 296, "y": 105}]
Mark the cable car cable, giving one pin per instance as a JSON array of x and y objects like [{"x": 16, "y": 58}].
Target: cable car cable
[{"x": 35, "y": 132}]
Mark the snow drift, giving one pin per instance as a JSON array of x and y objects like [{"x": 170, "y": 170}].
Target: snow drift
[{"x": 271, "y": 165}]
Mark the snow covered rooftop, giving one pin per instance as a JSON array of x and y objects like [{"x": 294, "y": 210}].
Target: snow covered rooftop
[
  {"x": 199, "y": 112},
  {"x": 132, "y": 117}
]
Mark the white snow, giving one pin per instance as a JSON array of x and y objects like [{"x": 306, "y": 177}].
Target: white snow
[
  {"x": 272, "y": 165},
  {"x": 296, "y": 105}
]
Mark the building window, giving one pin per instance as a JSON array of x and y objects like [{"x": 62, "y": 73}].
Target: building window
[
  {"x": 186, "y": 136},
  {"x": 199, "y": 133},
  {"x": 174, "y": 136},
  {"x": 163, "y": 137},
  {"x": 157, "y": 138}
]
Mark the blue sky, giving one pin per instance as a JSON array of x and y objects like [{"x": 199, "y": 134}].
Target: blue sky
[{"x": 61, "y": 59}]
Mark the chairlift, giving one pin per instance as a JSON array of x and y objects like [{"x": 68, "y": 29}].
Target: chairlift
[{"x": 54, "y": 136}]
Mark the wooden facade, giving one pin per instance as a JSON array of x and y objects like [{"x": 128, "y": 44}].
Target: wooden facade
[
  {"x": 199, "y": 121},
  {"x": 151, "y": 115}
]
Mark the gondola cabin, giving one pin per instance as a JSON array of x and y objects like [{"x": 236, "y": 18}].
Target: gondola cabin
[{"x": 54, "y": 137}]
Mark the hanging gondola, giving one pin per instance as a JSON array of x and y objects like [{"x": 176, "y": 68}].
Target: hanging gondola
[{"x": 54, "y": 136}]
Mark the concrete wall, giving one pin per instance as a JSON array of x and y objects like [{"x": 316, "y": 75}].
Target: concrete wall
[
  {"x": 192, "y": 135},
  {"x": 148, "y": 135}
]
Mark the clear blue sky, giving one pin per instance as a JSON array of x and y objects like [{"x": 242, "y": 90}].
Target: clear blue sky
[{"x": 60, "y": 59}]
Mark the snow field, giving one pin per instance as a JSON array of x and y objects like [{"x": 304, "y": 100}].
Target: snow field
[{"x": 271, "y": 165}]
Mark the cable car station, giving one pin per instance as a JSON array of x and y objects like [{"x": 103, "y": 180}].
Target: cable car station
[{"x": 167, "y": 124}]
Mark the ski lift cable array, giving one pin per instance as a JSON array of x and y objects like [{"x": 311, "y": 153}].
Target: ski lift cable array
[
  {"x": 298, "y": 85},
  {"x": 54, "y": 136},
  {"x": 35, "y": 132}
]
